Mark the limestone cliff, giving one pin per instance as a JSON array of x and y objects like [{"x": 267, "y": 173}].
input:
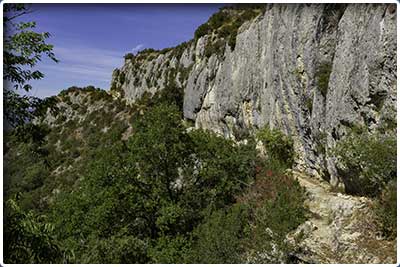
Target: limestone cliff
[{"x": 311, "y": 70}]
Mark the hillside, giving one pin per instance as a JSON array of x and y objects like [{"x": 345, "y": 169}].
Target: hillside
[{"x": 270, "y": 137}]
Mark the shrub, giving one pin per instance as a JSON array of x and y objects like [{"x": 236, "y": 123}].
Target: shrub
[
  {"x": 227, "y": 22},
  {"x": 121, "y": 77},
  {"x": 170, "y": 250},
  {"x": 147, "y": 51},
  {"x": 278, "y": 146},
  {"x": 220, "y": 238},
  {"x": 386, "y": 210},
  {"x": 276, "y": 208},
  {"x": 30, "y": 132},
  {"x": 366, "y": 162},
  {"x": 232, "y": 40},
  {"x": 129, "y": 56},
  {"x": 75, "y": 106},
  {"x": 378, "y": 99},
  {"x": 172, "y": 94},
  {"x": 216, "y": 47},
  {"x": 320, "y": 142},
  {"x": 99, "y": 94},
  {"x": 202, "y": 30},
  {"x": 117, "y": 249},
  {"x": 241, "y": 132}
]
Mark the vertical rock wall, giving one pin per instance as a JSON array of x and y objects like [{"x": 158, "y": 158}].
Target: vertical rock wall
[{"x": 311, "y": 70}]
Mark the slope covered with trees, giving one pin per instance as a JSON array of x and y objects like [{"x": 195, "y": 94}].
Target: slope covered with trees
[{"x": 164, "y": 193}]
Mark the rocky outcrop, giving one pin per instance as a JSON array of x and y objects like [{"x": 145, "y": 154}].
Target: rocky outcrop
[
  {"x": 311, "y": 70},
  {"x": 340, "y": 229}
]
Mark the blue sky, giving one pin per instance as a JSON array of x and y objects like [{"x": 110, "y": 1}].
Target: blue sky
[{"x": 90, "y": 40}]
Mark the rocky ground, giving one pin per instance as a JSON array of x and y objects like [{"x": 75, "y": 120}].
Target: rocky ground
[{"x": 341, "y": 228}]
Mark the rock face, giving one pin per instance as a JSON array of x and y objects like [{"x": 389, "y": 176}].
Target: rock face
[{"x": 311, "y": 70}]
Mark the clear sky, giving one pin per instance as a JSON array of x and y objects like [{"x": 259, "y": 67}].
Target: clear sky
[{"x": 90, "y": 40}]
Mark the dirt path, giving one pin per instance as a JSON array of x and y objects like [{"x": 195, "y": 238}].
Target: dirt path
[{"x": 340, "y": 228}]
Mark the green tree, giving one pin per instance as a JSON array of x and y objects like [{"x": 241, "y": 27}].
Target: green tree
[
  {"x": 23, "y": 49},
  {"x": 367, "y": 161},
  {"x": 151, "y": 191},
  {"x": 28, "y": 238},
  {"x": 278, "y": 146},
  {"x": 220, "y": 238}
]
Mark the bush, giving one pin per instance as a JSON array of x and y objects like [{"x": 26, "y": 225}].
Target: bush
[
  {"x": 219, "y": 240},
  {"x": 129, "y": 56},
  {"x": 276, "y": 204},
  {"x": 366, "y": 162},
  {"x": 386, "y": 210},
  {"x": 170, "y": 250},
  {"x": 278, "y": 146},
  {"x": 202, "y": 30},
  {"x": 147, "y": 51},
  {"x": 121, "y": 77},
  {"x": 309, "y": 104},
  {"x": 227, "y": 22},
  {"x": 118, "y": 249},
  {"x": 216, "y": 47}
]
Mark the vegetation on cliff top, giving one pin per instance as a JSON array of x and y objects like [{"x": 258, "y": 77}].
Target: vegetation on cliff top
[{"x": 224, "y": 24}]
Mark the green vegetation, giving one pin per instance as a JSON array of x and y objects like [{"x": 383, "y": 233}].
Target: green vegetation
[
  {"x": 163, "y": 195},
  {"x": 320, "y": 140},
  {"x": 220, "y": 238},
  {"x": 217, "y": 47},
  {"x": 278, "y": 145},
  {"x": 367, "y": 161},
  {"x": 367, "y": 165},
  {"x": 23, "y": 49},
  {"x": 225, "y": 23},
  {"x": 378, "y": 100},
  {"x": 28, "y": 238},
  {"x": 129, "y": 56},
  {"x": 108, "y": 182},
  {"x": 386, "y": 210},
  {"x": 276, "y": 208}
]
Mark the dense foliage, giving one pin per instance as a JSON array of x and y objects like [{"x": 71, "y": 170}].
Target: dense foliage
[
  {"x": 367, "y": 162},
  {"x": 162, "y": 194},
  {"x": 225, "y": 23},
  {"x": 28, "y": 238},
  {"x": 278, "y": 146},
  {"x": 367, "y": 165}
]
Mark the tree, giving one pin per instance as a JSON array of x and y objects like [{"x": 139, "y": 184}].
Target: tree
[
  {"x": 366, "y": 161},
  {"x": 220, "y": 238},
  {"x": 27, "y": 238},
  {"x": 23, "y": 49}
]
